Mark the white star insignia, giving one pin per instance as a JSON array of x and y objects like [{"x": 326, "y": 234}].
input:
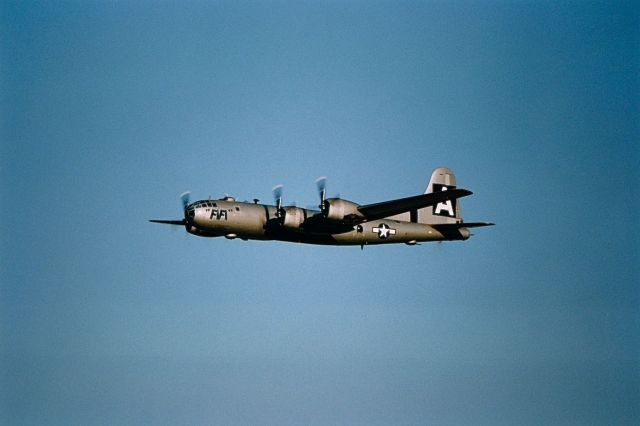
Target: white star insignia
[{"x": 384, "y": 231}]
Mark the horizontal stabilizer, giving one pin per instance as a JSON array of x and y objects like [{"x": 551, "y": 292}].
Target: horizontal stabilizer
[
  {"x": 454, "y": 226},
  {"x": 457, "y": 231},
  {"x": 471, "y": 224},
  {"x": 393, "y": 207},
  {"x": 168, "y": 222}
]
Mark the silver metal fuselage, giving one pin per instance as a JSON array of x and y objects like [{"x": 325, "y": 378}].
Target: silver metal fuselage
[{"x": 252, "y": 221}]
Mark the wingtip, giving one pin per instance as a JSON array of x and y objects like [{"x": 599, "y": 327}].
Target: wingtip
[
  {"x": 476, "y": 224},
  {"x": 167, "y": 222}
]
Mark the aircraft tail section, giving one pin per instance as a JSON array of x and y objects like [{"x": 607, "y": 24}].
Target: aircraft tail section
[{"x": 446, "y": 212}]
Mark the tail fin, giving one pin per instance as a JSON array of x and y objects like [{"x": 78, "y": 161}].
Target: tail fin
[{"x": 447, "y": 212}]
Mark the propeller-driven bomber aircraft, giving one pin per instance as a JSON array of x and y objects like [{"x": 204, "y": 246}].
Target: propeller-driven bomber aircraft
[{"x": 432, "y": 216}]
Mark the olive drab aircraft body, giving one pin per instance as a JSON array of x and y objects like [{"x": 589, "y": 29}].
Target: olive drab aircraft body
[{"x": 432, "y": 216}]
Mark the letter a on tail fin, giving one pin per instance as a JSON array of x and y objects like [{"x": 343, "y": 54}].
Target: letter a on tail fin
[{"x": 442, "y": 179}]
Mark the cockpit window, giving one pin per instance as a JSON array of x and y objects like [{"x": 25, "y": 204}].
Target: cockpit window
[{"x": 201, "y": 204}]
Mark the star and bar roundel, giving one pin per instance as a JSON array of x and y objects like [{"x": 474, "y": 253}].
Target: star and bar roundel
[{"x": 383, "y": 230}]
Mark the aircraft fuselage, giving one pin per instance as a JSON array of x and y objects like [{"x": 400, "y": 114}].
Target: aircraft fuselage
[
  {"x": 233, "y": 219},
  {"x": 434, "y": 215}
]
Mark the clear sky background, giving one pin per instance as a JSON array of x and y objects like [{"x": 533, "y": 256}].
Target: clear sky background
[{"x": 110, "y": 110}]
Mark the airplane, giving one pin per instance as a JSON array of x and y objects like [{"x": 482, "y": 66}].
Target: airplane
[{"x": 432, "y": 216}]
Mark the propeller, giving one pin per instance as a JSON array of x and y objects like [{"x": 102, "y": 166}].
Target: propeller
[
  {"x": 321, "y": 183},
  {"x": 184, "y": 197},
  {"x": 277, "y": 196}
]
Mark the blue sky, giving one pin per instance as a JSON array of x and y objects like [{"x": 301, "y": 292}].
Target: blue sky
[{"x": 110, "y": 110}]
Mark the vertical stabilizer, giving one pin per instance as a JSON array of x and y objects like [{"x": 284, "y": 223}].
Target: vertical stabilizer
[{"x": 442, "y": 179}]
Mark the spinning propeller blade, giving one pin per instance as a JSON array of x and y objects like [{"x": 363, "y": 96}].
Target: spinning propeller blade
[
  {"x": 277, "y": 196},
  {"x": 321, "y": 183},
  {"x": 184, "y": 197}
]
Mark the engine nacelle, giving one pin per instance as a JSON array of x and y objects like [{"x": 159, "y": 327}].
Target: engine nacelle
[
  {"x": 341, "y": 210},
  {"x": 291, "y": 217}
]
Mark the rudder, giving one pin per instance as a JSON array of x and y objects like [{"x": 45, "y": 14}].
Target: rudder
[{"x": 442, "y": 179}]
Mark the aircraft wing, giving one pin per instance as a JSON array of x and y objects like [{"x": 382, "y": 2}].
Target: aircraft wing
[
  {"x": 168, "y": 222},
  {"x": 393, "y": 207},
  {"x": 455, "y": 226}
]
